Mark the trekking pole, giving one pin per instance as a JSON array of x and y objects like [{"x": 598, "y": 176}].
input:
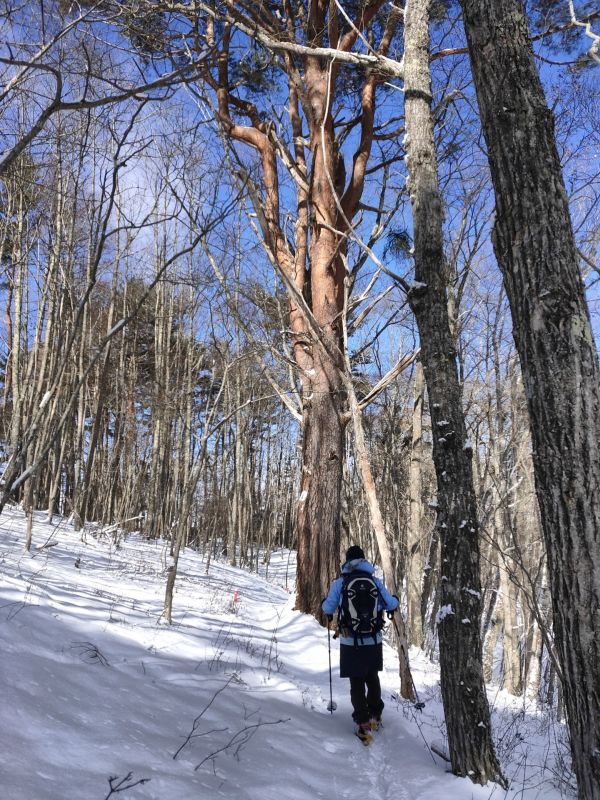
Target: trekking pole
[{"x": 331, "y": 707}]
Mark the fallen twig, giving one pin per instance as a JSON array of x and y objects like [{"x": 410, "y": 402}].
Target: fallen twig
[
  {"x": 239, "y": 739},
  {"x": 122, "y": 784}
]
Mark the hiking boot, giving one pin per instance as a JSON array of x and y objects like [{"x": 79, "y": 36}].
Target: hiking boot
[
  {"x": 363, "y": 731},
  {"x": 375, "y": 723}
]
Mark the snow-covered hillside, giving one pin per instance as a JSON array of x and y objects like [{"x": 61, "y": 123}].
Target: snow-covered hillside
[{"x": 228, "y": 702}]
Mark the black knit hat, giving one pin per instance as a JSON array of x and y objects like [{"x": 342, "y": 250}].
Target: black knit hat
[{"x": 354, "y": 552}]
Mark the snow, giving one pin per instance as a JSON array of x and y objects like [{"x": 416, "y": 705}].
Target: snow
[
  {"x": 444, "y": 612},
  {"x": 117, "y": 327},
  {"x": 96, "y": 687},
  {"x": 45, "y": 400}
]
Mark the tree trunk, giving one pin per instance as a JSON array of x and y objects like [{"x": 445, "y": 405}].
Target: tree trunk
[
  {"x": 319, "y": 507},
  {"x": 318, "y": 517},
  {"x": 491, "y": 634},
  {"x": 414, "y": 545},
  {"x": 463, "y": 690},
  {"x": 16, "y": 354},
  {"x": 534, "y": 244},
  {"x": 407, "y": 686},
  {"x": 102, "y": 392},
  {"x": 511, "y": 656},
  {"x": 533, "y": 662}
]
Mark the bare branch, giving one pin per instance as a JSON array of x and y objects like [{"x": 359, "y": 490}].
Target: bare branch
[{"x": 384, "y": 65}]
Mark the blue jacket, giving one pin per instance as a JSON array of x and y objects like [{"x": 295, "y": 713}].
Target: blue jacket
[{"x": 386, "y": 601}]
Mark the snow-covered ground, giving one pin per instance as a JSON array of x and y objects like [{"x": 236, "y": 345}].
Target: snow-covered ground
[{"x": 228, "y": 702}]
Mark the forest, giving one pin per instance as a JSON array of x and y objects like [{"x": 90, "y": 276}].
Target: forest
[{"x": 297, "y": 275}]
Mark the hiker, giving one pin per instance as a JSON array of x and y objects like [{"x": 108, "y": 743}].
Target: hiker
[{"x": 360, "y": 600}]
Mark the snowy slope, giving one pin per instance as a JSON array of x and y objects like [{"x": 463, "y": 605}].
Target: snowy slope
[{"x": 95, "y": 687}]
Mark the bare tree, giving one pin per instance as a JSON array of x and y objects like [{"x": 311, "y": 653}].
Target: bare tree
[{"x": 51, "y": 60}]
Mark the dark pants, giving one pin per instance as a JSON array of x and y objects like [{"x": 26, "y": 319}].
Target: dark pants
[{"x": 369, "y": 704}]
